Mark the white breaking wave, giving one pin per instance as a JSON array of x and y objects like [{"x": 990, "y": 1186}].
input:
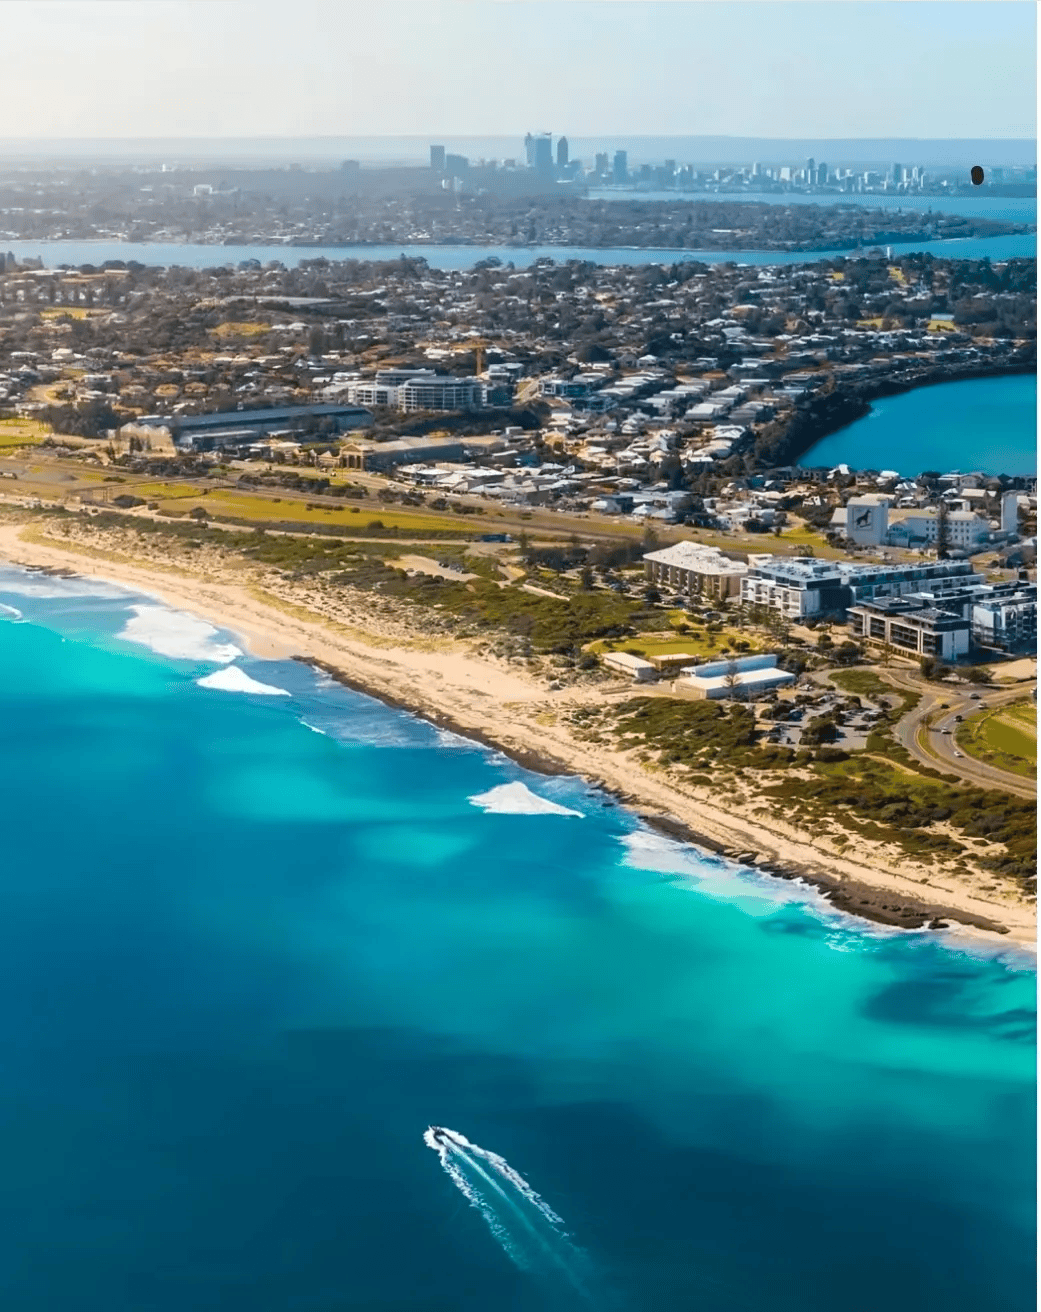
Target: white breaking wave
[
  {"x": 234, "y": 679},
  {"x": 529, "y": 1231},
  {"x": 22, "y": 583},
  {"x": 518, "y": 799},
  {"x": 13, "y": 611},
  {"x": 174, "y": 633}
]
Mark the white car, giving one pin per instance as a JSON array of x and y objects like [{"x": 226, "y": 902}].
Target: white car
[{"x": 957, "y": 753}]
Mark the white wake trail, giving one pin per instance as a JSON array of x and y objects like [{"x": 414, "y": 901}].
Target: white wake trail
[{"x": 530, "y": 1232}]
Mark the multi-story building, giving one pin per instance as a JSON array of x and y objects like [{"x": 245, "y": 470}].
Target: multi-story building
[
  {"x": 912, "y": 626},
  {"x": 441, "y": 393},
  {"x": 695, "y": 570},
  {"x": 418, "y": 389},
  {"x": 800, "y": 586},
  {"x": 966, "y": 530},
  {"x": 1006, "y": 617}
]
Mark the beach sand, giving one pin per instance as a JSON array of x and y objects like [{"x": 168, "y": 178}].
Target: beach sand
[{"x": 370, "y": 645}]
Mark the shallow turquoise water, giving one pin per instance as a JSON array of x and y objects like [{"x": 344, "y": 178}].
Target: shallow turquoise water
[
  {"x": 985, "y": 424},
  {"x": 252, "y": 946}
]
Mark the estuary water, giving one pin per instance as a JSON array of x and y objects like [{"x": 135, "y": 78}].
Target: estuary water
[
  {"x": 261, "y": 933},
  {"x": 984, "y": 424},
  {"x": 195, "y": 256}
]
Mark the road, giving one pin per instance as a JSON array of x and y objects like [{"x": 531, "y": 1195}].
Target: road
[{"x": 912, "y": 733}]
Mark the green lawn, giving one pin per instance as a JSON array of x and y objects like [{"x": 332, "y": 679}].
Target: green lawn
[{"x": 1004, "y": 737}]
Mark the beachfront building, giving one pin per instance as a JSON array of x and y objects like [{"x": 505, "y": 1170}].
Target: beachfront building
[
  {"x": 744, "y": 678},
  {"x": 632, "y": 666},
  {"x": 802, "y": 587},
  {"x": 911, "y": 625},
  {"x": 695, "y": 570}
]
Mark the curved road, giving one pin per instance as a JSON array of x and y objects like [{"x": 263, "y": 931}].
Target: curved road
[{"x": 912, "y": 733}]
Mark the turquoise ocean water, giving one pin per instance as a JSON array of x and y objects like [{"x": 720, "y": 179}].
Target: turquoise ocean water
[
  {"x": 253, "y": 945},
  {"x": 985, "y": 424}
]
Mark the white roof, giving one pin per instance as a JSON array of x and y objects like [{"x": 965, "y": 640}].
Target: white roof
[{"x": 695, "y": 555}]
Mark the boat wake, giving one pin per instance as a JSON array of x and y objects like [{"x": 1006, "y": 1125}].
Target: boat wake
[{"x": 529, "y": 1231}]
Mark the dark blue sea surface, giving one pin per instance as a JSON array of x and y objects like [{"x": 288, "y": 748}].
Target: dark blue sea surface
[
  {"x": 253, "y": 945},
  {"x": 985, "y": 424}
]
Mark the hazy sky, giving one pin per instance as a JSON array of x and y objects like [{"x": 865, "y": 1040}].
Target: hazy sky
[{"x": 836, "y": 68}]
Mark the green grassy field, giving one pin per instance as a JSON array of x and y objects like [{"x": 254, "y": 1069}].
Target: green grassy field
[
  {"x": 1005, "y": 737},
  {"x": 697, "y": 643},
  {"x": 269, "y": 510},
  {"x": 22, "y": 432}
]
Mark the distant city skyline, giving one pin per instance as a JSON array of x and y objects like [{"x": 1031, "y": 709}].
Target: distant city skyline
[{"x": 586, "y": 68}]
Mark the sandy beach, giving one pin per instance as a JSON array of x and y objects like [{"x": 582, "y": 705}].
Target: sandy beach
[{"x": 460, "y": 685}]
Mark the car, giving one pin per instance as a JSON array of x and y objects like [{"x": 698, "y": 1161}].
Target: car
[
  {"x": 958, "y": 718},
  {"x": 945, "y": 706},
  {"x": 945, "y": 730},
  {"x": 974, "y": 697},
  {"x": 956, "y": 752}
]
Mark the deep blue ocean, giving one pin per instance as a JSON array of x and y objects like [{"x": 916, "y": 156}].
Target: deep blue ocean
[
  {"x": 985, "y": 424},
  {"x": 253, "y": 945}
]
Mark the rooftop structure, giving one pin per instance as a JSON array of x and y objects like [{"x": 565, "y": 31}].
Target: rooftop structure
[
  {"x": 696, "y": 570},
  {"x": 800, "y": 586},
  {"x": 744, "y": 678},
  {"x": 913, "y": 626}
]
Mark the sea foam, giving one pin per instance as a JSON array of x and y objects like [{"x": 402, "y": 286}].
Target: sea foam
[
  {"x": 234, "y": 679},
  {"x": 173, "y": 633},
  {"x": 518, "y": 799},
  {"x": 24, "y": 583}
]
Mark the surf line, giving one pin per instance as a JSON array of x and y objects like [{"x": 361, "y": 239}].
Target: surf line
[{"x": 530, "y": 1233}]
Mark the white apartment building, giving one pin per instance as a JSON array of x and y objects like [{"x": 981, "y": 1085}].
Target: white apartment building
[
  {"x": 965, "y": 529},
  {"x": 801, "y": 587},
  {"x": 696, "y": 570}
]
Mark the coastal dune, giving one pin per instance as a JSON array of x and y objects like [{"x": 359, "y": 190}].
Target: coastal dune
[{"x": 451, "y": 683}]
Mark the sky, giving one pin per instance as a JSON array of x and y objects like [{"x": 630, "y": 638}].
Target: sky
[{"x": 216, "y": 68}]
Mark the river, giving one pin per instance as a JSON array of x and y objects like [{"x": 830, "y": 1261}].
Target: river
[{"x": 196, "y": 256}]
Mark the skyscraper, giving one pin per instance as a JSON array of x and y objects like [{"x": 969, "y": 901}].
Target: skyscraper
[
  {"x": 822, "y": 174},
  {"x": 437, "y": 158},
  {"x": 621, "y": 166},
  {"x": 562, "y": 155},
  {"x": 529, "y": 150},
  {"x": 544, "y": 153},
  {"x": 601, "y": 164}
]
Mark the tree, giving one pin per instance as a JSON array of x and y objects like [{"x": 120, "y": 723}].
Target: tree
[
  {"x": 587, "y": 578},
  {"x": 982, "y": 674},
  {"x": 886, "y": 653},
  {"x": 732, "y": 679}
]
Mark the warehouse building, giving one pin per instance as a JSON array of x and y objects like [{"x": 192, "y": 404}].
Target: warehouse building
[{"x": 239, "y": 427}]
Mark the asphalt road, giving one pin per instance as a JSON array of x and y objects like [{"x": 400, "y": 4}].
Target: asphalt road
[{"x": 911, "y": 731}]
